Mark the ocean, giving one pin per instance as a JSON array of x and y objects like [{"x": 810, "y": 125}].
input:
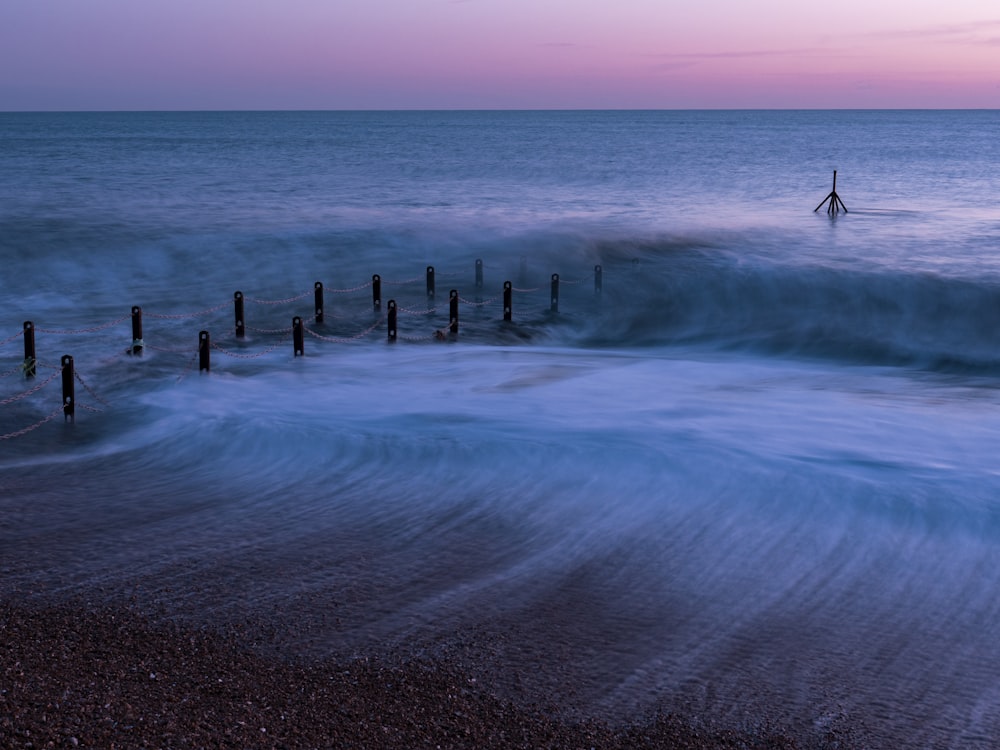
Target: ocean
[{"x": 746, "y": 461}]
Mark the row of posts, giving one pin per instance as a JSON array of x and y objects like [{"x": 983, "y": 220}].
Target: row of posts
[
  {"x": 68, "y": 373},
  {"x": 298, "y": 339}
]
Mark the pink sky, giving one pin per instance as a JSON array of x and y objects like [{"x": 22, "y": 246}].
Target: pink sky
[{"x": 389, "y": 54}]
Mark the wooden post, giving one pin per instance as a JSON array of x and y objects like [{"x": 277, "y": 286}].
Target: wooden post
[
  {"x": 835, "y": 203},
  {"x": 137, "y": 344},
  {"x": 508, "y": 288},
  {"x": 479, "y": 274},
  {"x": 30, "y": 362},
  {"x": 68, "y": 388},
  {"x": 377, "y": 292},
  {"x": 453, "y": 310},
  {"x": 204, "y": 352},
  {"x": 555, "y": 293},
  {"x": 430, "y": 282},
  {"x": 598, "y": 279},
  {"x": 298, "y": 337},
  {"x": 392, "y": 320},
  {"x": 238, "y": 309},
  {"x": 319, "y": 301}
]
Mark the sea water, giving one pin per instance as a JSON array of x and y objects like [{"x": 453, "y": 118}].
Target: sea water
[{"x": 749, "y": 467}]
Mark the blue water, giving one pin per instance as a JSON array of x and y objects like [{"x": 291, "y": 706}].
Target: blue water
[{"x": 754, "y": 475}]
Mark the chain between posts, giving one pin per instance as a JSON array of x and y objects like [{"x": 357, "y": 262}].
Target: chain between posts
[
  {"x": 11, "y": 338},
  {"x": 483, "y": 303},
  {"x": 269, "y": 330},
  {"x": 13, "y": 371},
  {"x": 180, "y": 316},
  {"x": 526, "y": 291},
  {"x": 31, "y": 391},
  {"x": 89, "y": 390},
  {"x": 280, "y": 301},
  {"x": 70, "y": 332},
  {"x": 414, "y": 280},
  {"x": 35, "y": 426},
  {"x": 236, "y": 355},
  {"x": 357, "y": 336}
]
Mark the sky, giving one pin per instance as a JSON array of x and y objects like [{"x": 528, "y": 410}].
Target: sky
[{"x": 498, "y": 54}]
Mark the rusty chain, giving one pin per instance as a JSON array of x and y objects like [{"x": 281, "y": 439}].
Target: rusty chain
[
  {"x": 94, "y": 329},
  {"x": 35, "y": 426},
  {"x": 357, "y": 336},
  {"x": 236, "y": 355},
  {"x": 179, "y": 316},
  {"x": 11, "y": 338},
  {"x": 30, "y": 391}
]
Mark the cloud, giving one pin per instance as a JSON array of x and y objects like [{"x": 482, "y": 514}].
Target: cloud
[{"x": 963, "y": 33}]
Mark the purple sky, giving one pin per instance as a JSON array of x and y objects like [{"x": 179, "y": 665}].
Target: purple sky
[{"x": 389, "y": 54}]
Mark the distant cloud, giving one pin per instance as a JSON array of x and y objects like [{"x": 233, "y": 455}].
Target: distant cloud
[{"x": 964, "y": 33}]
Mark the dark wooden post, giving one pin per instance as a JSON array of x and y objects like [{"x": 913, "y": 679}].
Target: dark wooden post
[
  {"x": 319, "y": 301},
  {"x": 835, "y": 203},
  {"x": 508, "y": 288},
  {"x": 430, "y": 282},
  {"x": 241, "y": 328},
  {"x": 479, "y": 273},
  {"x": 377, "y": 292},
  {"x": 137, "y": 343},
  {"x": 30, "y": 362},
  {"x": 453, "y": 310},
  {"x": 298, "y": 337},
  {"x": 204, "y": 352},
  {"x": 598, "y": 279},
  {"x": 555, "y": 293},
  {"x": 392, "y": 320},
  {"x": 68, "y": 387}
]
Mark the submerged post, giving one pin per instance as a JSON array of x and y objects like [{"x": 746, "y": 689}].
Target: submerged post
[
  {"x": 508, "y": 288},
  {"x": 453, "y": 310},
  {"x": 137, "y": 344},
  {"x": 204, "y": 352},
  {"x": 392, "y": 320},
  {"x": 68, "y": 388},
  {"x": 555, "y": 293},
  {"x": 376, "y": 292},
  {"x": 598, "y": 279},
  {"x": 30, "y": 363},
  {"x": 238, "y": 309},
  {"x": 319, "y": 301},
  {"x": 479, "y": 274},
  {"x": 298, "y": 337},
  {"x": 835, "y": 203},
  {"x": 430, "y": 282}
]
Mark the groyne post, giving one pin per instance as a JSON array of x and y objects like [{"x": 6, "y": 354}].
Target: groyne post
[
  {"x": 298, "y": 337},
  {"x": 430, "y": 282},
  {"x": 241, "y": 327},
  {"x": 834, "y": 200},
  {"x": 68, "y": 388},
  {"x": 30, "y": 362},
  {"x": 392, "y": 320},
  {"x": 204, "y": 352},
  {"x": 318, "y": 294},
  {"x": 508, "y": 289},
  {"x": 453, "y": 310},
  {"x": 376, "y": 292},
  {"x": 554, "y": 307},
  {"x": 598, "y": 279},
  {"x": 479, "y": 274},
  {"x": 137, "y": 344}
]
